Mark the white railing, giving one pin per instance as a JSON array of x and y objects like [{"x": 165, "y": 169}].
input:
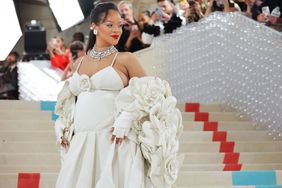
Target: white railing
[{"x": 226, "y": 58}]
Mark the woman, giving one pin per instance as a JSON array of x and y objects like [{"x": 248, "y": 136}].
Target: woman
[
  {"x": 100, "y": 156},
  {"x": 77, "y": 50},
  {"x": 59, "y": 55},
  {"x": 118, "y": 130}
]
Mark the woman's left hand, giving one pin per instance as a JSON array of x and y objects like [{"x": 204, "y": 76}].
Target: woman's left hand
[{"x": 116, "y": 139}]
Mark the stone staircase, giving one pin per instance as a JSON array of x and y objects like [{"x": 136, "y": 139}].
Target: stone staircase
[{"x": 221, "y": 149}]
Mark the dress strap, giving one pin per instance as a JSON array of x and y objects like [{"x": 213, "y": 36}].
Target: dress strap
[
  {"x": 114, "y": 59},
  {"x": 79, "y": 64}
]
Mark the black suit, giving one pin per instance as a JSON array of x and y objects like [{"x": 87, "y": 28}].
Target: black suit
[{"x": 9, "y": 83}]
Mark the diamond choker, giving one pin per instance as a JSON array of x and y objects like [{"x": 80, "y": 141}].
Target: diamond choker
[{"x": 98, "y": 55}]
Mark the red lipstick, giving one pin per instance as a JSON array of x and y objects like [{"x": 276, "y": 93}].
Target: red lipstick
[{"x": 115, "y": 36}]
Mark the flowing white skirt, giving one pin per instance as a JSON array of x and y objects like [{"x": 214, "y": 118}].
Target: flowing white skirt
[{"x": 92, "y": 160}]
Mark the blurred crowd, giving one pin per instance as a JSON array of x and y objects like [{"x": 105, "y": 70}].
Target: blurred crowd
[
  {"x": 140, "y": 31},
  {"x": 9, "y": 77}
]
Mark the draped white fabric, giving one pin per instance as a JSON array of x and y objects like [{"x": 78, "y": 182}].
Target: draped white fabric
[{"x": 145, "y": 112}]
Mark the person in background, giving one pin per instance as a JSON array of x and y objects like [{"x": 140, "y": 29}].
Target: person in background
[
  {"x": 77, "y": 50},
  {"x": 144, "y": 18},
  {"x": 131, "y": 36},
  {"x": 78, "y": 36},
  {"x": 9, "y": 77},
  {"x": 242, "y": 4},
  {"x": 164, "y": 20},
  {"x": 194, "y": 12},
  {"x": 270, "y": 11},
  {"x": 59, "y": 55},
  {"x": 222, "y": 5}
]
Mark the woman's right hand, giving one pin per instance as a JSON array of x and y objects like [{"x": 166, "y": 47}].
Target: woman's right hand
[{"x": 65, "y": 142}]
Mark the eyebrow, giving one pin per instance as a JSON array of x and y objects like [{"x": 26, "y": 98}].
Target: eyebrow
[{"x": 112, "y": 21}]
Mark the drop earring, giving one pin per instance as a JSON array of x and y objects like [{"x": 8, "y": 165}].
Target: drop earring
[{"x": 95, "y": 32}]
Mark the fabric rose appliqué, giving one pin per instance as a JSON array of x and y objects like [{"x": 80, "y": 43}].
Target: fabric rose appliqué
[
  {"x": 85, "y": 83},
  {"x": 158, "y": 126},
  {"x": 171, "y": 170},
  {"x": 148, "y": 92}
]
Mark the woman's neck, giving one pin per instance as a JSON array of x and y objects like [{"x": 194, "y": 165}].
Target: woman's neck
[{"x": 102, "y": 46}]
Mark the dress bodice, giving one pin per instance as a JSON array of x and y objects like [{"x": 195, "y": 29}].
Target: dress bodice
[{"x": 105, "y": 79}]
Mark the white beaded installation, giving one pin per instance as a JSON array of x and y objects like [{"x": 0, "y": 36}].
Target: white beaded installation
[{"x": 227, "y": 58}]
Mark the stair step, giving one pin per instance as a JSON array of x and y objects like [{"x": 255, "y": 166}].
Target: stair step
[
  {"x": 41, "y": 136},
  {"x": 251, "y": 186},
  {"x": 245, "y": 157},
  {"x": 229, "y": 179},
  {"x": 240, "y": 146},
  {"x": 10, "y": 180},
  {"x": 215, "y": 116},
  {"x": 231, "y": 136},
  {"x": 192, "y": 179},
  {"x": 190, "y": 158},
  {"x": 6, "y": 105},
  {"x": 25, "y": 115},
  {"x": 29, "y": 168},
  {"x": 26, "y": 125},
  {"x": 29, "y": 159},
  {"x": 26, "y": 122},
  {"x": 222, "y": 126},
  {"x": 220, "y": 167},
  {"x": 266, "y": 159},
  {"x": 212, "y": 107},
  {"x": 28, "y": 147},
  {"x": 200, "y": 147}
]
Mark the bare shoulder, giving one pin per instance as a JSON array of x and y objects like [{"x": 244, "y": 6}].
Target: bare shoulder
[
  {"x": 127, "y": 58},
  {"x": 131, "y": 64},
  {"x": 78, "y": 60}
]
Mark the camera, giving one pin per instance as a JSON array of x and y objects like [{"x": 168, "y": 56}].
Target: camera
[
  {"x": 122, "y": 16},
  {"x": 159, "y": 11}
]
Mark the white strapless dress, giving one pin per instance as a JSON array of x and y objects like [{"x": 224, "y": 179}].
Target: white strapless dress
[{"x": 92, "y": 160}]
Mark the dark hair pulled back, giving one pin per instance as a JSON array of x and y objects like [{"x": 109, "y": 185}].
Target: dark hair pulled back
[{"x": 99, "y": 15}]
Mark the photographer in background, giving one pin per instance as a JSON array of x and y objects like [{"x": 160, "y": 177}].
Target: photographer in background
[
  {"x": 59, "y": 55},
  {"x": 131, "y": 35},
  {"x": 222, "y": 5},
  {"x": 269, "y": 12},
  {"x": 164, "y": 20},
  {"x": 77, "y": 50},
  {"x": 194, "y": 12},
  {"x": 9, "y": 77}
]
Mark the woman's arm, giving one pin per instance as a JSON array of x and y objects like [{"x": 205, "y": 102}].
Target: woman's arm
[
  {"x": 133, "y": 69},
  {"x": 133, "y": 66},
  {"x": 68, "y": 71}
]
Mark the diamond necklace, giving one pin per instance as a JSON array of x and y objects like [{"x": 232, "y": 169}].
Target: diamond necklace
[{"x": 98, "y": 55}]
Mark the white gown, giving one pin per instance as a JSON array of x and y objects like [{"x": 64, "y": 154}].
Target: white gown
[{"x": 92, "y": 160}]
